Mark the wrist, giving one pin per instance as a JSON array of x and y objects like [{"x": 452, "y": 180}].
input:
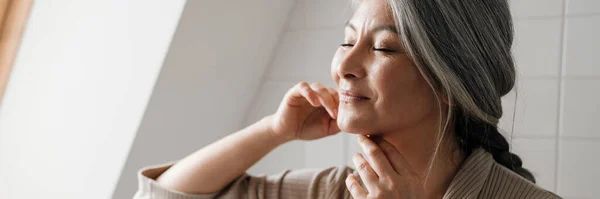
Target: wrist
[{"x": 267, "y": 124}]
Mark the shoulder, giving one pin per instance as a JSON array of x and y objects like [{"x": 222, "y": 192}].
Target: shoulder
[{"x": 504, "y": 183}]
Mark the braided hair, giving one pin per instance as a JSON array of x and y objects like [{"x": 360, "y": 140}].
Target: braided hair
[{"x": 472, "y": 134}]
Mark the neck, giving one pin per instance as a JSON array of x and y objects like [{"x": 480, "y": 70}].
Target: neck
[{"x": 418, "y": 145}]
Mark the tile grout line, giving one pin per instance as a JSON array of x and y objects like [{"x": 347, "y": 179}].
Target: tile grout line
[
  {"x": 591, "y": 14},
  {"x": 561, "y": 95},
  {"x": 551, "y": 16},
  {"x": 570, "y": 138}
]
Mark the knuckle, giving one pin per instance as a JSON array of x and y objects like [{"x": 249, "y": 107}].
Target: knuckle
[
  {"x": 374, "y": 152},
  {"x": 376, "y": 194},
  {"x": 318, "y": 87},
  {"x": 387, "y": 148},
  {"x": 362, "y": 166},
  {"x": 391, "y": 185},
  {"x": 322, "y": 90},
  {"x": 302, "y": 84},
  {"x": 361, "y": 139},
  {"x": 386, "y": 180}
]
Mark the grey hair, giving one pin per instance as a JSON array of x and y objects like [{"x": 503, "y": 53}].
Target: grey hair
[{"x": 463, "y": 50}]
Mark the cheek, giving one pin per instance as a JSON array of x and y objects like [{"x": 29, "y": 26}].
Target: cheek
[{"x": 404, "y": 97}]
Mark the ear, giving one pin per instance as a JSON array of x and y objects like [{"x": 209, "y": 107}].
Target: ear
[{"x": 445, "y": 99}]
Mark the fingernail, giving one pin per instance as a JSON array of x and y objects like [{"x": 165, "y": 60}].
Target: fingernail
[
  {"x": 350, "y": 185},
  {"x": 335, "y": 112},
  {"x": 361, "y": 138},
  {"x": 355, "y": 157},
  {"x": 349, "y": 182}
]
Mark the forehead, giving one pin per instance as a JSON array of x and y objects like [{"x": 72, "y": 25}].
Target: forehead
[{"x": 370, "y": 13}]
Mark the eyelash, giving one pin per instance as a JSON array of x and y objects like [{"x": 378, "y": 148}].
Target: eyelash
[{"x": 376, "y": 49}]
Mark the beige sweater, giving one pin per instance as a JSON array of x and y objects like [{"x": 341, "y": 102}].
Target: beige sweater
[{"x": 479, "y": 177}]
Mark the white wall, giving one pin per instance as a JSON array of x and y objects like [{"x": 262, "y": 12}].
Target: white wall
[
  {"x": 79, "y": 87},
  {"x": 208, "y": 82},
  {"x": 558, "y": 104},
  {"x": 555, "y": 129}
]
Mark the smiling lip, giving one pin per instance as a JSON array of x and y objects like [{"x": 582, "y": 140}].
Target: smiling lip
[{"x": 349, "y": 96}]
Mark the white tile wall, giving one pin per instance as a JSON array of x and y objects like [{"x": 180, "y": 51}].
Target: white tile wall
[
  {"x": 536, "y": 8},
  {"x": 583, "y": 7},
  {"x": 559, "y": 87},
  {"x": 537, "y": 113},
  {"x": 579, "y": 143},
  {"x": 539, "y": 157},
  {"x": 582, "y": 44},
  {"x": 268, "y": 99},
  {"x": 297, "y": 20},
  {"x": 537, "y": 46},
  {"x": 578, "y": 168},
  {"x": 353, "y": 147},
  {"x": 581, "y": 108},
  {"x": 313, "y": 14},
  {"x": 326, "y": 152},
  {"x": 305, "y": 53},
  {"x": 537, "y": 108}
]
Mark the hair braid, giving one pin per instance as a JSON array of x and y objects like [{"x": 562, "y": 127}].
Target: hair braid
[{"x": 472, "y": 134}]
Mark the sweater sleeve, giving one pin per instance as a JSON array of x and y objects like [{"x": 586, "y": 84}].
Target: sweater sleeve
[{"x": 305, "y": 183}]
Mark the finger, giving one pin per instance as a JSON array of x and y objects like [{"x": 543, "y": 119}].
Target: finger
[
  {"x": 366, "y": 173},
  {"x": 303, "y": 90},
  {"x": 336, "y": 98},
  {"x": 335, "y": 95},
  {"x": 333, "y": 127},
  {"x": 354, "y": 187},
  {"x": 381, "y": 165},
  {"x": 399, "y": 163},
  {"x": 325, "y": 98}
]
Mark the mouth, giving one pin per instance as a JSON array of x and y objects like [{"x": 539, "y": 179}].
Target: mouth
[{"x": 350, "y": 96}]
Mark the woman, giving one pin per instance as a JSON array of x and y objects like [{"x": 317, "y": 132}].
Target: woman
[{"x": 422, "y": 78}]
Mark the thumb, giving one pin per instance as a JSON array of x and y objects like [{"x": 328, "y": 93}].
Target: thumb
[{"x": 333, "y": 127}]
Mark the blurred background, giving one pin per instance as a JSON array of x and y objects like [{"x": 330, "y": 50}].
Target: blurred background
[{"x": 100, "y": 89}]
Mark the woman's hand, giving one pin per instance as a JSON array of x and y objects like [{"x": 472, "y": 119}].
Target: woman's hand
[
  {"x": 307, "y": 112},
  {"x": 387, "y": 175}
]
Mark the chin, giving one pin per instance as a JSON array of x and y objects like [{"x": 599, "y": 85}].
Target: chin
[{"x": 351, "y": 123}]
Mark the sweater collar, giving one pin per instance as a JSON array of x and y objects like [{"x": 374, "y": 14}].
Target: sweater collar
[{"x": 471, "y": 176}]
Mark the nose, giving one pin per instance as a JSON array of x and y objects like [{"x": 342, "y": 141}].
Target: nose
[{"x": 351, "y": 65}]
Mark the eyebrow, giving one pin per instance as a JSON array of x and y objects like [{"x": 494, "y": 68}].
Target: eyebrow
[{"x": 390, "y": 28}]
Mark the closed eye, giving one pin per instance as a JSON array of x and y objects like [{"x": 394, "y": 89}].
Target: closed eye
[{"x": 384, "y": 50}]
